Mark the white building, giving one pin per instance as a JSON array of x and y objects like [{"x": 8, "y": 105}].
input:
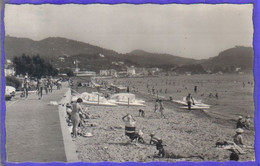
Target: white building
[
  {"x": 9, "y": 69},
  {"x": 9, "y": 72},
  {"x": 62, "y": 59},
  {"x": 111, "y": 72},
  {"x": 131, "y": 71},
  {"x": 103, "y": 72}
]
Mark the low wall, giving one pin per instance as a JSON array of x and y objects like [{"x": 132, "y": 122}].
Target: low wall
[{"x": 70, "y": 149}]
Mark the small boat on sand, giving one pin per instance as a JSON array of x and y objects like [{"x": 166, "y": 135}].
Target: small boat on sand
[
  {"x": 126, "y": 99},
  {"x": 93, "y": 99},
  {"x": 197, "y": 104}
]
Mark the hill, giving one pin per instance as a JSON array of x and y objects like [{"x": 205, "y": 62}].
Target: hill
[
  {"x": 237, "y": 57},
  {"x": 89, "y": 55},
  {"x": 50, "y": 48},
  {"x": 144, "y": 58},
  {"x": 96, "y": 58}
]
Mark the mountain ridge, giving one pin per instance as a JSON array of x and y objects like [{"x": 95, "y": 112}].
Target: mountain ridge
[{"x": 54, "y": 47}]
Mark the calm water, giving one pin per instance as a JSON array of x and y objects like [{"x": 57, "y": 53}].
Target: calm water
[{"x": 233, "y": 99}]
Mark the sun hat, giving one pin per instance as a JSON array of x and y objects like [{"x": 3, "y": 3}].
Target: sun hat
[
  {"x": 239, "y": 130},
  {"x": 240, "y": 117}
]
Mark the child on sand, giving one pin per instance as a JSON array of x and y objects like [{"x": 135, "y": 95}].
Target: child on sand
[
  {"x": 154, "y": 139},
  {"x": 141, "y": 113}
]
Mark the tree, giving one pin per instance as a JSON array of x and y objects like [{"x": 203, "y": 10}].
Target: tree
[{"x": 33, "y": 66}]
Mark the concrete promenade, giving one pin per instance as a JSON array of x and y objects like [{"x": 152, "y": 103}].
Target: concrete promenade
[{"x": 33, "y": 129}]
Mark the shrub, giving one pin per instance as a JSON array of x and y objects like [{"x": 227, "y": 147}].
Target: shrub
[{"x": 13, "y": 81}]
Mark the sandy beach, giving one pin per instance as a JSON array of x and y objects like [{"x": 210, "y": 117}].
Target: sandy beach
[{"x": 186, "y": 133}]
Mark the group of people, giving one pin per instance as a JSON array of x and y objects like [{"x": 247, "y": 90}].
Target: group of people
[
  {"x": 41, "y": 85},
  {"x": 238, "y": 137},
  {"x": 130, "y": 131},
  {"x": 159, "y": 106},
  {"x": 130, "y": 124}
]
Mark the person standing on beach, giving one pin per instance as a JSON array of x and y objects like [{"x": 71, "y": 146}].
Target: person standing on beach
[
  {"x": 130, "y": 125},
  {"x": 156, "y": 105},
  {"x": 45, "y": 84},
  {"x": 195, "y": 89},
  {"x": 189, "y": 99},
  {"x": 50, "y": 84},
  {"x": 76, "y": 110},
  {"x": 40, "y": 88},
  {"x": 161, "y": 108},
  {"x": 216, "y": 95},
  {"x": 26, "y": 86}
]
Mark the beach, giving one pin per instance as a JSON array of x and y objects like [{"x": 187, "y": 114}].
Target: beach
[{"x": 192, "y": 133}]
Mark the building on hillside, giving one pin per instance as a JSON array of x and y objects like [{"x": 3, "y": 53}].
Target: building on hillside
[
  {"x": 85, "y": 73},
  {"x": 8, "y": 62},
  {"x": 9, "y": 68},
  {"x": 103, "y": 72},
  {"x": 141, "y": 71},
  {"x": 131, "y": 71},
  {"x": 113, "y": 72},
  {"x": 9, "y": 72},
  {"x": 110, "y": 72},
  {"x": 62, "y": 58},
  {"x": 154, "y": 70},
  {"x": 121, "y": 63},
  {"x": 122, "y": 73}
]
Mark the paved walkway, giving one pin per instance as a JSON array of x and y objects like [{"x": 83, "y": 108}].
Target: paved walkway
[{"x": 33, "y": 131}]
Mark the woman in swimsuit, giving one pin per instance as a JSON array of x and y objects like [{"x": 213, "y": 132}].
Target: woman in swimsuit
[{"x": 76, "y": 109}]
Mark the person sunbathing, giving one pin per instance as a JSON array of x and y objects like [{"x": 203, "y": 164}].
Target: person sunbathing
[{"x": 165, "y": 154}]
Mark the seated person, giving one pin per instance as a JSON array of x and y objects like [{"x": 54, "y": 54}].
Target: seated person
[{"x": 240, "y": 123}]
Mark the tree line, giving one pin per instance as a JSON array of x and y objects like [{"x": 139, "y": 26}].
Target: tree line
[{"x": 34, "y": 66}]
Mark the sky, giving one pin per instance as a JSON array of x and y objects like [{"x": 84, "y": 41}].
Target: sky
[{"x": 195, "y": 31}]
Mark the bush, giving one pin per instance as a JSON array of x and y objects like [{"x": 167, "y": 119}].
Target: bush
[
  {"x": 33, "y": 66},
  {"x": 12, "y": 81}
]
